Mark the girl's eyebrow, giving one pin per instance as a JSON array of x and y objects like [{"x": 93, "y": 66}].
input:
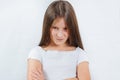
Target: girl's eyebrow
[
  {"x": 53, "y": 26},
  {"x": 58, "y": 26}
]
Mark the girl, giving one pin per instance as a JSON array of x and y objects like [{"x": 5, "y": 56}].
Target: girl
[{"x": 60, "y": 54}]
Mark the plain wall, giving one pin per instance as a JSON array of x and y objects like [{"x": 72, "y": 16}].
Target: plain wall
[{"x": 20, "y": 31}]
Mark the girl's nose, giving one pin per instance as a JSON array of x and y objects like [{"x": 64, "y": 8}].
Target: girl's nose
[{"x": 60, "y": 34}]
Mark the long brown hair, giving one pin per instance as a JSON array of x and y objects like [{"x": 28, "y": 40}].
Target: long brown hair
[{"x": 63, "y": 9}]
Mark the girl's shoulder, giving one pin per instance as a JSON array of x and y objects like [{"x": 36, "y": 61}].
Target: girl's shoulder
[
  {"x": 78, "y": 49},
  {"x": 82, "y": 55},
  {"x": 36, "y": 53}
]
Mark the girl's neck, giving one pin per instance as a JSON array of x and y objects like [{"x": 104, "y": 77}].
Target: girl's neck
[{"x": 52, "y": 44}]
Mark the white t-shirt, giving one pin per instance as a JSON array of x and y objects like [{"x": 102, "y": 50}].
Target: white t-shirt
[{"x": 58, "y": 65}]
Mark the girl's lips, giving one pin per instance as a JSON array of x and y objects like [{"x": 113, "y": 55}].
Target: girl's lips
[{"x": 59, "y": 39}]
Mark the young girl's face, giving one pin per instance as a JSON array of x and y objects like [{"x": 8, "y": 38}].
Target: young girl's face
[{"x": 59, "y": 32}]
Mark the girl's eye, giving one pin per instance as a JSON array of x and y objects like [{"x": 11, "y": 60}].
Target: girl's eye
[
  {"x": 65, "y": 28},
  {"x": 54, "y": 27}
]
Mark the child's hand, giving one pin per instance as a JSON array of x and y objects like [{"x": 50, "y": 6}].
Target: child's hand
[{"x": 37, "y": 75}]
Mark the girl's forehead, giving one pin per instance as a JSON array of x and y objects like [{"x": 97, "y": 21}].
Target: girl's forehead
[{"x": 59, "y": 22}]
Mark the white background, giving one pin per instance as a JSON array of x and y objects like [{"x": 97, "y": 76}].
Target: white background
[{"x": 20, "y": 30}]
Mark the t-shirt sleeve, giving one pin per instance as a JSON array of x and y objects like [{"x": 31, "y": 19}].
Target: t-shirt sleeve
[
  {"x": 35, "y": 53},
  {"x": 82, "y": 57}
]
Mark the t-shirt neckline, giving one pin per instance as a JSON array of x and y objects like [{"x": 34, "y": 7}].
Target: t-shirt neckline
[{"x": 64, "y": 51}]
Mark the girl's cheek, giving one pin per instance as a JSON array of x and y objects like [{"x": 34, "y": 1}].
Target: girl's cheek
[
  {"x": 66, "y": 33},
  {"x": 53, "y": 32}
]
